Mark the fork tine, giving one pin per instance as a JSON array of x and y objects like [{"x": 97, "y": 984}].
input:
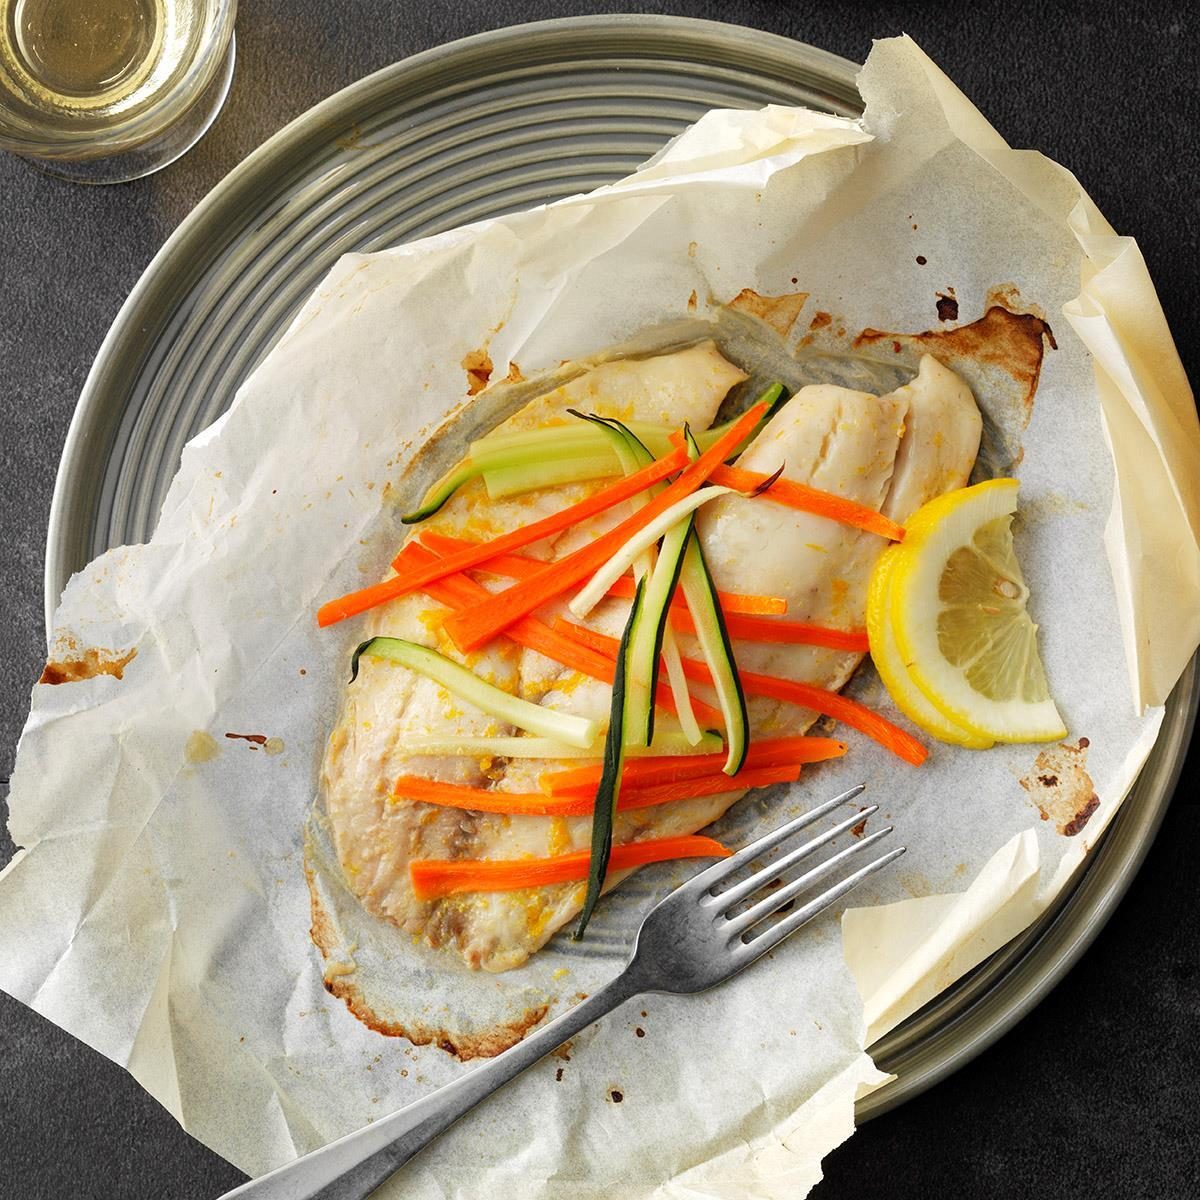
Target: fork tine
[
  {"x": 726, "y": 866},
  {"x": 775, "y": 900},
  {"x": 771, "y": 938},
  {"x": 731, "y": 896}
]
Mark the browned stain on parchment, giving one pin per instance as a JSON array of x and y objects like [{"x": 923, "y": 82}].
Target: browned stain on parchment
[
  {"x": 1014, "y": 342},
  {"x": 1061, "y": 787},
  {"x": 464, "y": 1046},
  {"x": 200, "y": 747},
  {"x": 514, "y": 374},
  {"x": 256, "y": 739},
  {"x": 780, "y": 312},
  {"x": 74, "y": 665},
  {"x": 478, "y": 366},
  {"x": 947, "y": 307}
]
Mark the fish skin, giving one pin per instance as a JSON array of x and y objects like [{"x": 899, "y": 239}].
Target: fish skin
[{"x": 891, "y": 452}]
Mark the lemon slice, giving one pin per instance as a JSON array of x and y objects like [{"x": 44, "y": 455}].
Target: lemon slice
[
  {"x": 958, "y": 608},
  {"x": 889, "y": 662}
]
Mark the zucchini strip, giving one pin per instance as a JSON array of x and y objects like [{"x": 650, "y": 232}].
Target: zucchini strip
[
  {"x": 528, "y": 477},
  {"x": 608, "y": 791},
  {"x": 587, "y": 599},
  {"x": 466, "y": 685},
  {"x": 441, "y": 491},
  {"x": 646, "y": 643},
  {"x": 635, "y": 455},
  {"x": 701, "y": 596},
  {"x": 667, "y": 742},
  {"x": 515, "y": 462}
]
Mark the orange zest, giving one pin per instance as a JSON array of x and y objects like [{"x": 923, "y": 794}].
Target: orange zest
[
  {"x": 473, "y": 627},
  {"x": 433, "y": 878},
  {"x": 522, "y": 566},
  {"x": 655, "y": 769},
  {"x": 811, "y": 500},
  {"x": 578, "y": 802},
  {"x": 357, "y": 602},
  {"x": 458, "y": 591},
  {"x": 828, "y": 703}
]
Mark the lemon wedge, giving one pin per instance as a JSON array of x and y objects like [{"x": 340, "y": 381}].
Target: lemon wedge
[
  {"x": 957, "y": 601},
  {"x": 889, "y": 662}
]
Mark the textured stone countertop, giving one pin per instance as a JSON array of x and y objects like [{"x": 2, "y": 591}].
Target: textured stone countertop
[{"x": 1091, "y": 1094}]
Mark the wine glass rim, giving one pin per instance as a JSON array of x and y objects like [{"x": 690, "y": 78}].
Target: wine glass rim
[{"x": 147, "y": 123}]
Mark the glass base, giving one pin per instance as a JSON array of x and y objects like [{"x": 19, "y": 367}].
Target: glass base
[{"x": 160, "y": 152}]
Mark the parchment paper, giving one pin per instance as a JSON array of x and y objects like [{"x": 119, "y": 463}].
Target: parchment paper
[{"x": 159, "y": 909}]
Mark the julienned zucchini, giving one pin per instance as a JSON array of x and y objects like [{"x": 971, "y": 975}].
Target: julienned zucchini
[
  {"x": 441, "y": 491},
  {"x": 502, "y": 482},
  {"x": 511, "y": 463},
  {"x": 666, "y": 743},
  {"x": 701, "y": 596},
  {"x": 608, "y": 791},
  {"x": 466, "y": 685},
  {"x": 645, "y": 646},
  {"x": 633, "y": 455},
  {"x": 597, "y": 587}
]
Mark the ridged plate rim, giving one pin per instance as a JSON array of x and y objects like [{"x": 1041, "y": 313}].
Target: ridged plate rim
[{"x": 975, "y": 1012}]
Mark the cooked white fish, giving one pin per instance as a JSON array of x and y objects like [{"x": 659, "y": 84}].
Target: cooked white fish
[
  {"x": 891, "y": 452},
  {"x": 376, "y": 836}
]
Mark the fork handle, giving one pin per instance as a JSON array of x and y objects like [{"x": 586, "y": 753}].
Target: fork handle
[{"x": 354, "y": 1166}]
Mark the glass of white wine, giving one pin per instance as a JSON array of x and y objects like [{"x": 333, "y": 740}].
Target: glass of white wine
[{"x": 103, "y": 91}]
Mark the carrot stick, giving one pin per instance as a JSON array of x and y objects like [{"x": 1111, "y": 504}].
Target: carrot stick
[
  {"x": 478, "y": 799},
  {"x": 811, "y": 500},
  {"x": 354, "y": 603},
  {"x": 651, "y": 795},
  {"x": 736, "y": 606},
  {"x": 578, "y": 802},
  {"x": 652, "y": 769},
  {"x": 830, "y": 704},
  {"x": 522, "y": 566},
  {"x": 766, "y": 629},
  {"x": 433, "y": 878},
  {"x": 458, "y": 591},
  {"x": 731, "y": 602},
  {"x": 475, "y": 626}
]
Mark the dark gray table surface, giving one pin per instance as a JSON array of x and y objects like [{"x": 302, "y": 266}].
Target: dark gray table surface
[{"x": 1097, "y": 1091}]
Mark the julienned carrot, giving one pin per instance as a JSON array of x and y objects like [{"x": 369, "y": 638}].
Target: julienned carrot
[
  {"x": 474, "y": 626},
  {"x": 458, "y": 591},
  {"x": 718, "y": 784},
  {"x": 735, "y": 605},
  {"x": 638, "y": 772},
  {"x": 477, "y": 799},
  {"x": 433, "y": 878},
  {"x": 522, "y": 566},
  {"x": 579, "y": 801},
  {"x": 811, "y": 500},
  {"x": 830, "y": 704},
  {"x": 731, "y": 602},
  {"x": 357, "y": 602},
  {"x": 767, "y": 629}
]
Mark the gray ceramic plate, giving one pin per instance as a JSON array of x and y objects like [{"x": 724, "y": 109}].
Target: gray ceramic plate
[{"x": 470, "y": 130}]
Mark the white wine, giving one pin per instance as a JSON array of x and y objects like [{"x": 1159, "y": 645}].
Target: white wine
[
  {"x": 67, "y": 56},
  {"x": 86, "y": 79}
]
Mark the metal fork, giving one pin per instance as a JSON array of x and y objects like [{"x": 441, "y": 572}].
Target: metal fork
[{"x": 692, "y": 940}]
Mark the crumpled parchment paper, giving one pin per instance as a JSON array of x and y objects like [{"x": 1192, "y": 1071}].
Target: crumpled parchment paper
[{"x": 159, "y": 909}]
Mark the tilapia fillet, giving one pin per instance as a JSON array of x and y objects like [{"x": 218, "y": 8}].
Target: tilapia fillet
[{"x": 891, "y": 452}]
